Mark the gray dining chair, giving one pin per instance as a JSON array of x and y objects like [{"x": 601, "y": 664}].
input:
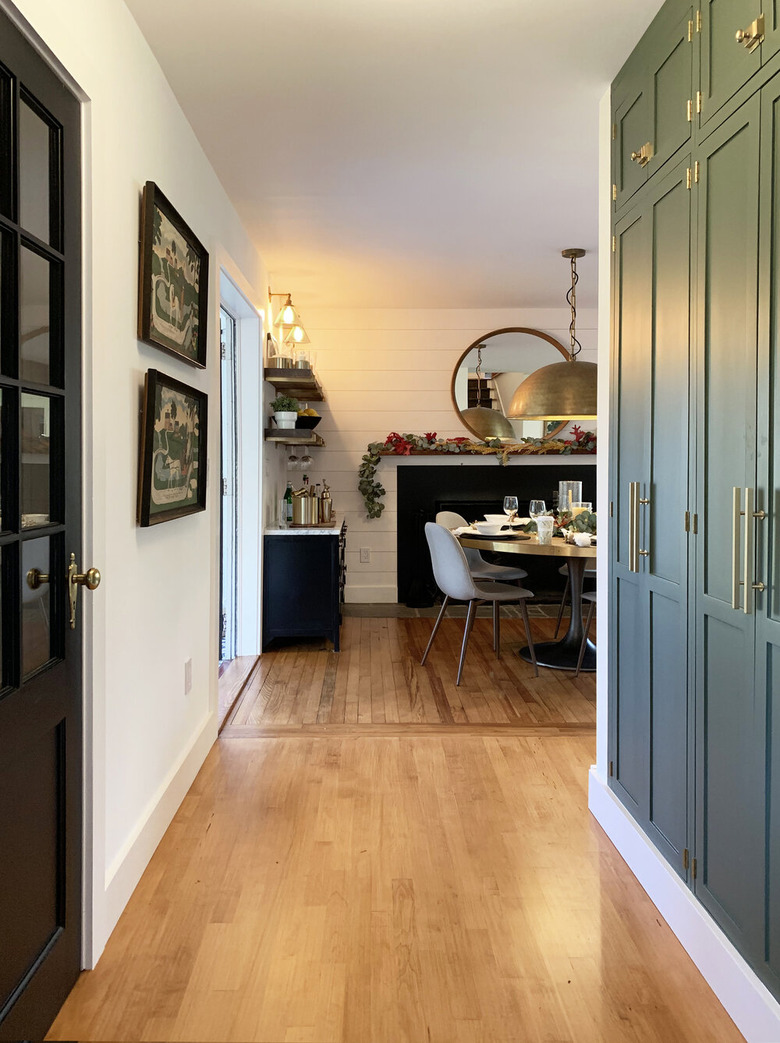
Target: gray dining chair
[
  {"x": 452, "y": 575},
  {"x": 590, "y": 596},
  {"x": 478, "y": 567},
  {"x": 589, "y": 573}
]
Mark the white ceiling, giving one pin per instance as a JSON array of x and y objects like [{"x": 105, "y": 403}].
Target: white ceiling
[{"x": 404, "y": 153}]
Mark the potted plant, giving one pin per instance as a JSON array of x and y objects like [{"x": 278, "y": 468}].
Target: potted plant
[{"x": 285, "y": 409}]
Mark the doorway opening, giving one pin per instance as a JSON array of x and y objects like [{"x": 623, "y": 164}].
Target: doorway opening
[{"x": 228, "y": 572}]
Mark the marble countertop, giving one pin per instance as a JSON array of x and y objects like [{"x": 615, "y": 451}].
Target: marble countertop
[{"x": 331, "y": 530}]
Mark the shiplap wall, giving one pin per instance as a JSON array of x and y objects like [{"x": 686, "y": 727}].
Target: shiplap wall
[{"x": 390, "y": 370}]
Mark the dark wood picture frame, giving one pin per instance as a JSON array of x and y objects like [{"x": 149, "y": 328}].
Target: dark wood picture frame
[
  {"x": 174, "y": 438},
  {"x": 173, "y": 281}
]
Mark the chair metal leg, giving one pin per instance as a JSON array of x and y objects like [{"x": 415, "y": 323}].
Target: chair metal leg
[
  {"x": 496, "y": 630},
  {"x": 435, "y": 628},
  {"x": 529, "y": 636},
  {"x": 467, "y": 631},
  {"x": 562, "y": 604},
  {"x": 591, "y": 609}
]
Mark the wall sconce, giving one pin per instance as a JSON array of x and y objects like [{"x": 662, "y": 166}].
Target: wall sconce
[
  {"x": 565, "y": 390},
  {"x": 296, "y": 335},
  {"x": 288, "y": 315}
]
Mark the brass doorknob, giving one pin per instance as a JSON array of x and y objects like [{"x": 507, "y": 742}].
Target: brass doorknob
[
  {"x": 89, "y": 579},
  {"x": 35, "y": 578}
]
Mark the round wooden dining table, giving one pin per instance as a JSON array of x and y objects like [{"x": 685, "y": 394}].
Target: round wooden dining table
[{"x": 563, "y": 654}]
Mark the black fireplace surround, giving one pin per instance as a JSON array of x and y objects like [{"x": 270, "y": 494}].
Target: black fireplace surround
[{"x": 474, "y": 491}]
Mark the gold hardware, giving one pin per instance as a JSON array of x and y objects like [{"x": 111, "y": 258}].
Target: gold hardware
[
  {"x": 696, "y": 171},
  {"x": 760, "y": 515},
  {"x": 736, "y": 511},
  {"x": 686, "y": 858},
  {"x": 614, "y": 193},
  {"x": 690, "y": 110},
  {"x": 752, "y": 36},
  {"x": 688, "y": 179},
  {"x": 695, "y": 525},
  {"x": 644, "y": 502},
  {"x": 89, "y": 579},
  {"x": 614, "y": 131},
  {"x": 687, "y": 524},
  {"x": 698, "y": 21},
  {"x": 35, "y": 578},
  {"x": 690, "y": 30},
  {"x": 759, "y": 586},
  {"x": 645, "y": 553},
  {"x": 748, "y": 559},
  {"x": 644, "y": 155},
  {"x": 633, "y": 527},
  {"x": 693, "y": 867},
  {"x": 698, "y": 102},
  {"x": 614, "y": 244}
]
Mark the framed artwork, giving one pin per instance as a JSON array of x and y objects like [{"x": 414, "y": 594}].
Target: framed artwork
[
  {"x": 172, "y": 466},
  {"x": 173, "y": 281}
]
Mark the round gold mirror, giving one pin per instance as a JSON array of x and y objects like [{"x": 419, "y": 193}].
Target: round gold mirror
[{"x": 487, "y": 374}]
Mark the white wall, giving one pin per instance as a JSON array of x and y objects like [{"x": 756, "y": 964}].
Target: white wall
[
  {"x": 157, "y": 604},
  {"x": 391, "y": 370}
]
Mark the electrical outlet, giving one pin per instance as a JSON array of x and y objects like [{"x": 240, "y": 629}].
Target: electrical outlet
[
  {"x": 187, "y": 676},
  {"x": 365, "y": 555}
]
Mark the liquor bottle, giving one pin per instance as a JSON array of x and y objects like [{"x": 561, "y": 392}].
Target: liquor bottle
[
  {"x": 288, "y": 511},
  {"x": 317, "y": 501}
]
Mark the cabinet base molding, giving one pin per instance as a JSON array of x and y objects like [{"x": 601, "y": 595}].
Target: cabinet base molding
[{"x": 747, "y": 1001}]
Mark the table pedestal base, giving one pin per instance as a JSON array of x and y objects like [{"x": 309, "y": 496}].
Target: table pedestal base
[{"x": 562, "y": 655}]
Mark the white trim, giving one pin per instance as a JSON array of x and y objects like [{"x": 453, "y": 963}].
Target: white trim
[
  {"x": 381, "y": 594},
  {"x": 747, "y": 1001},
  {"x": 126, "y": 870}
]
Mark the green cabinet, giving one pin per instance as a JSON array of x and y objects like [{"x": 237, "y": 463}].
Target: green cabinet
[
  {"x": 694, "y": 668},
  {"x": 650, "y": 488}
]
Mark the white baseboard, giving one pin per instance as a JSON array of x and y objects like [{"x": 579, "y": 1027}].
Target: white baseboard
[
  {"x": 747, "y": 1001},
  {"x": 127, "y": 868},
  {"x": 381, "y": 594}
]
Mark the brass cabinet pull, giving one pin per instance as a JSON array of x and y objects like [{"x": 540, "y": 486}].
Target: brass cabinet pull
[
  {"x": 736, "y": 511},
  {"x": 633, "y": 526},
  {"x": 747, "y": 582},
  {"x": 89, "y": 579},
  {"x": 35, "y": 578},
  {"x": 751, "y": 37},
  {"x": 644, "y": 155}
]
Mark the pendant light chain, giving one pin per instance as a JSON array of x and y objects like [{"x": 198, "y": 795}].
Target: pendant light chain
[{"x": 571, "y": 298}]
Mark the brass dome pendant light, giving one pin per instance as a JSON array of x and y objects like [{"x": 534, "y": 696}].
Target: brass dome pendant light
[
  {"x": 564, "y": 390},
  {"x": 487, "y": 423}
]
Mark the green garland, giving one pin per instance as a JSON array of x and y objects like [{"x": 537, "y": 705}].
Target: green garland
[{"x": 404, "y": 445}]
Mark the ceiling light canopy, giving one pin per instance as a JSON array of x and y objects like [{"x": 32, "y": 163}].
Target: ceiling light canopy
[{"x": 564, "y": 390}]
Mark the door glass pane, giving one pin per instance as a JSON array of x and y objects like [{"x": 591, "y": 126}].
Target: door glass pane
[
  {"x": 34, "y": 172},
  {"x": 35, "y": 317},
  {"x": 36, "y": 436},
  {"x": 36, "y": 614},
  {"x": 6, "y": 145}
]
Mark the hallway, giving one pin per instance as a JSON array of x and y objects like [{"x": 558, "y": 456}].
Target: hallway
[{"x": 364, "y": 881}]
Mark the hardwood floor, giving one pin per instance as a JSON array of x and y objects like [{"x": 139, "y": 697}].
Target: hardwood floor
[{"x": 370, "y": 855}]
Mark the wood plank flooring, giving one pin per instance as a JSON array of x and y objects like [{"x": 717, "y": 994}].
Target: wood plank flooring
[{"x": 349, "y": 876}]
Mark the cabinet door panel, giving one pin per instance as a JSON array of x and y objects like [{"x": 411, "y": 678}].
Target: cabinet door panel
[
  {"x": 672, "y": 76},
  {"x": 730, "y": 734},
  {"x": 634, "y": 128},
  {"x": 725, "y": 64},
  {"x": 630, "y": 703}
]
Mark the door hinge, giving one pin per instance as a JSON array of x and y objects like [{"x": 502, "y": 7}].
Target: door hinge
[
  {"x": 686, "y": 858},
  {"x": 698, "y": 21},
  {"x": 224, "y": 487},
  {"x": 614, "y": 193},
  {"x": 688, "y": 179},
  {"x": 693, "y": 868},
  {"x": 695, "y": 521},
  {"x": 687, "y": 521},
  {"x": 614, "y": 244},
  {"x": 696, "y": 169},
  {"x": 611, "y": 769},
  {"x": 690, "y": 111},
  {"x": 698, "y": 102},
  {"x": 690, "y": 30},
  {"x": 614, "y": 131},
  {"x": 222, "y": 350}
]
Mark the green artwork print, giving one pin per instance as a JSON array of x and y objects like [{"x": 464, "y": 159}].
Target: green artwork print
[
  {"x": 174, "y": 315},
  {"x": 175, "y": 451}
]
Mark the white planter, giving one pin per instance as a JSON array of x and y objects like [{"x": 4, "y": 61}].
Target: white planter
[{"x": 285, "y": 419}]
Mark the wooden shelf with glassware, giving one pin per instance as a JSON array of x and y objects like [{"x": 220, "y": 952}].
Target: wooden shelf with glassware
[
  {"x": 301, "y": 383},
  {"x": 293, "y": 436}
]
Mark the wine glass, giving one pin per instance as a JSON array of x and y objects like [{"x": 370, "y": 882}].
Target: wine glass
[
  {"x": 510, "y": 507},
  {"x": 292, "y": 462},
  {"x": 306, "y": 460},
  {"x": 535, "y": 508}
]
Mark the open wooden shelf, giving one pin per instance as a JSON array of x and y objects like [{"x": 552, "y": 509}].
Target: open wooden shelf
[
  {"x": 293, "y": 436},
  {"x": 301, "y": 383}
]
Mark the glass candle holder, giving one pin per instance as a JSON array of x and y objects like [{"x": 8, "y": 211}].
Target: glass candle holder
[{"x": 568, "y": 494}]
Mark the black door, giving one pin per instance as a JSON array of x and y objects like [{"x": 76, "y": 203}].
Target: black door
[{"x": 40, "y": 508}]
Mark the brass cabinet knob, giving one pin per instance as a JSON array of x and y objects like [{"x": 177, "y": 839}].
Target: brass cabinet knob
[
  {"x": 636, "y": 156},
  {"x": 753, "y": 35}
]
